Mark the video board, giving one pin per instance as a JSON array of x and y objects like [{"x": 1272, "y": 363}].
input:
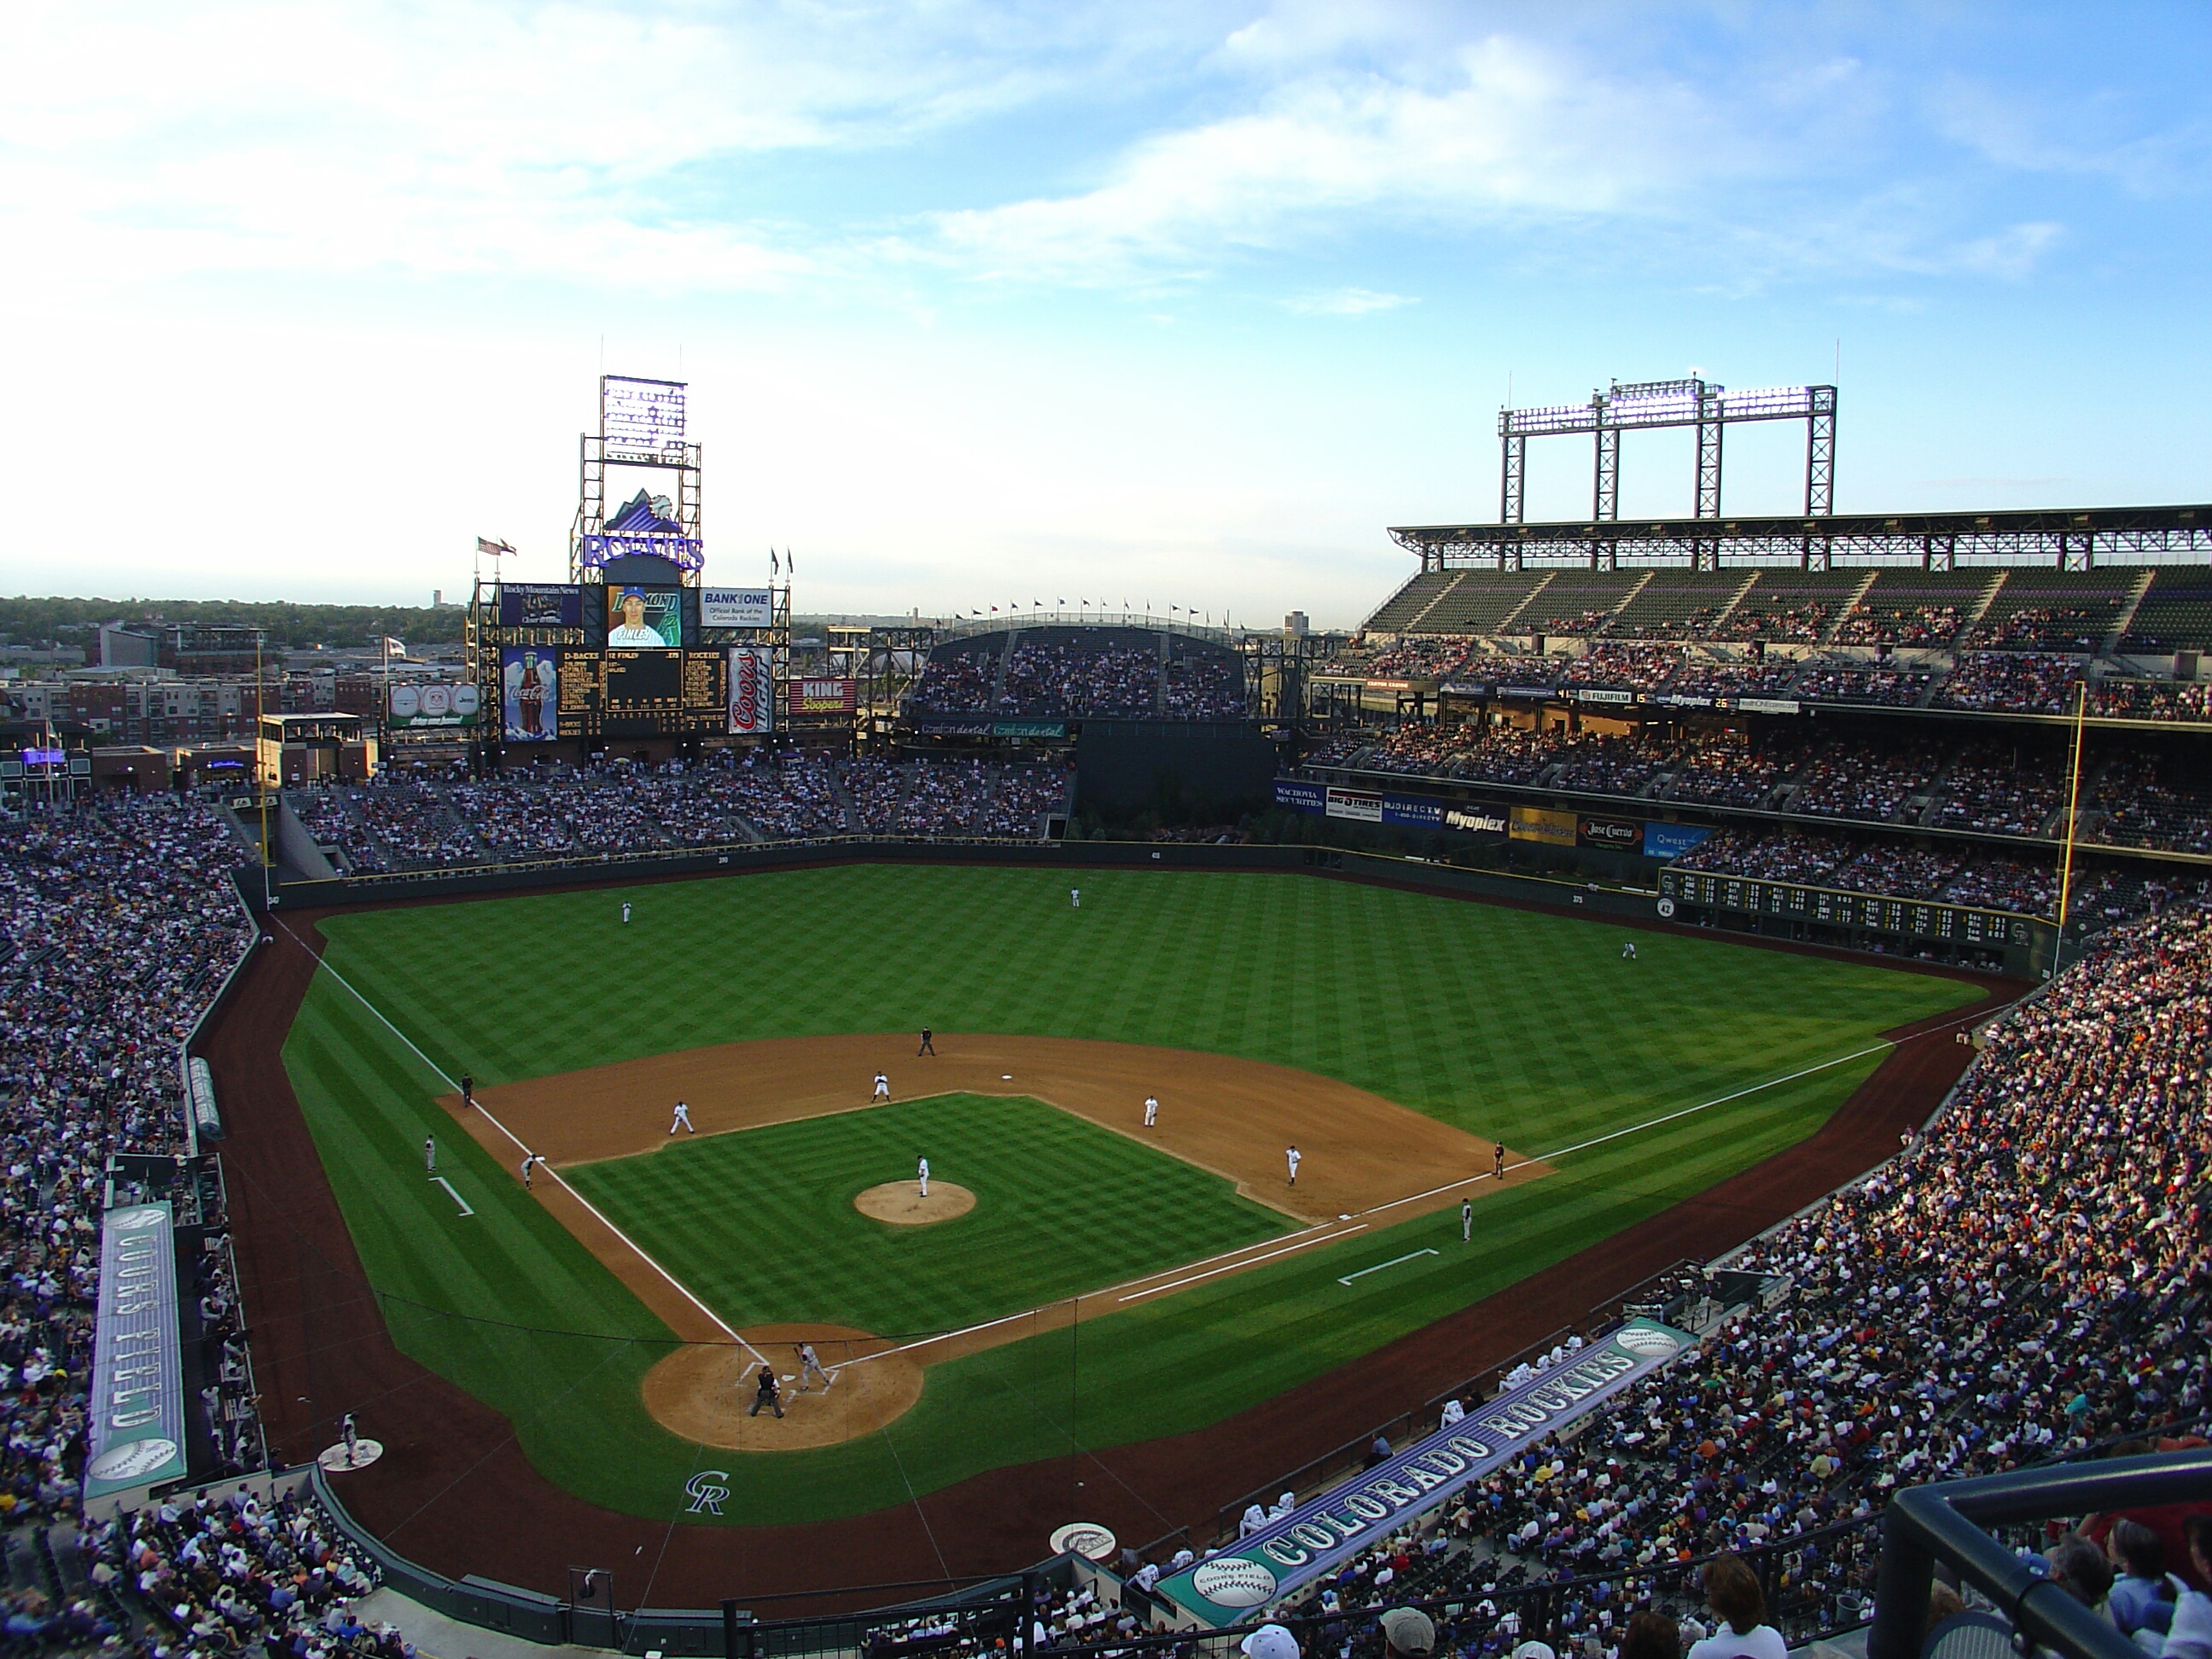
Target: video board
[{"x": 561, "y": 692}]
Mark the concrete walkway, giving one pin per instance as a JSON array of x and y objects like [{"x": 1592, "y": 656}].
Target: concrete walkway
[{"x": 436, "y": 1636}]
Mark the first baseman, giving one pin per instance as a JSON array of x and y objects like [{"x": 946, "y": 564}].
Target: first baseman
[
  {"x": 882, "y": 1087},
  {"x": 682, "y": 1120}
]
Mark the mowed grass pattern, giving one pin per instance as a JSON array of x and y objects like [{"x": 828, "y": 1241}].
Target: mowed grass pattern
[
  {"x": 1524, "y": 1025},
  {"x": 760, "y": 1224}
]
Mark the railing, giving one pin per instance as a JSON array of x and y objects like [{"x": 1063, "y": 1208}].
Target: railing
[{"x": 1948, "y": 1523}]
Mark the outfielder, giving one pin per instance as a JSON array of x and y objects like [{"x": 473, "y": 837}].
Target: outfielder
[
  {"x": 921, "y": 1171},
  {"x": 1498, "y": 1153},
  {"x": 810, "y": 1365},
  {"x": 1466, "y": 1221},
  {"x": 430, "y": 1154},
  {"x": 625, "y": 909},
  {"x": 1151, "y": 1112},
  {"x": 1628, "y": 952},
  {"x": 1075, "y": 898},
  {"x": 882, "y": 1087},
  {"x": 1291, "y": 1155},
  {"x": 682, "y": 1120}
]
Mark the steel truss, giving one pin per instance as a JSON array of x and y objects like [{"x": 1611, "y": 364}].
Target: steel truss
[
  {"x": 2065, "y": 538},
  {"x": 1646, "y": 404}
]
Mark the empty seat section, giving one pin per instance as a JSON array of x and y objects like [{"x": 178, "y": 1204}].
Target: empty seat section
[
  {"x": 1678, "y": 605},
  {"x": 1577, "y": 602},
  {"x": 1915, "y": 607},
  {"x": 2055, "y": 610},
  {"x": 1482, "y": 602},
  {"x": 1799, "y": 605},
  {"x": 2175, "y": 615},
  {"x": 1397, "y": 612}
]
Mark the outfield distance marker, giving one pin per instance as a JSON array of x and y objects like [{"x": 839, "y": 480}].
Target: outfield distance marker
[{"x": 1380, "y": 1266}]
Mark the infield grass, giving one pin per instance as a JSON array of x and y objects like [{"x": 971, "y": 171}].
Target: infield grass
[
  {"x": 761, "y": 1223},
  {"x": 1522, "y": 1025}
]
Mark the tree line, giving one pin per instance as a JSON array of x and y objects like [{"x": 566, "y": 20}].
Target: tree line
[{"x": 61, "y": 621}]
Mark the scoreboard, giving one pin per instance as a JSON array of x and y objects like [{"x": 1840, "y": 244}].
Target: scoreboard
[{"x": 567, "y": 691}]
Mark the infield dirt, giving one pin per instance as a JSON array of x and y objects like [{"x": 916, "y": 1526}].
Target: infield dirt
[{"x": 1359, "y": 1153}]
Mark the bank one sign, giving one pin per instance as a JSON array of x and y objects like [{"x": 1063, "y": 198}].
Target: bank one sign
[{"x": 1320, "y": 1535}]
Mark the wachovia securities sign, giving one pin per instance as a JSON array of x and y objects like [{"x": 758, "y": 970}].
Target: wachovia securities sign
[{"x": 1318, "y": 1536}]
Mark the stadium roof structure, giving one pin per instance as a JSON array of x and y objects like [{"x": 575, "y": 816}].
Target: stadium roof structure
[{"x": 2066, "y": 539}]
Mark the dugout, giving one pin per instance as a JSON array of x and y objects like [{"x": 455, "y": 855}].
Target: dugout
[{"x": 1183, "y": 771}]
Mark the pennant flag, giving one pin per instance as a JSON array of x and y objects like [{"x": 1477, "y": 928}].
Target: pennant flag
[{"x": 773, "y": 567}]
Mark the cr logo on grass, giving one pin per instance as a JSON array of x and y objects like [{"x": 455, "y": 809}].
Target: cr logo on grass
[{"x": 707, "y": 1491}]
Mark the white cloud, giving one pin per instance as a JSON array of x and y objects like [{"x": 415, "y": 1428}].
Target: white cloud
[{"x": 1348, "y": 302}]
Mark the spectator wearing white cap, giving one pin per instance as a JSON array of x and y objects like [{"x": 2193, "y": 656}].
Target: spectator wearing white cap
[
  {"x": 1409, "y": 1633},
  {"x": 1269, "y": 1642}
]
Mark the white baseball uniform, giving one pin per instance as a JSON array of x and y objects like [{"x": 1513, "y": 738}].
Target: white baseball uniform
[
  {"x": 882, "y": 1087},
  {"x": 1151, "y": 1111},
  {"x": 625, "y": 910},
  {"x": 1290, "y": 1157},
  {"x": 922, "y": 1171},
  {"x": 1075, "y": 898},
  {"x": 809, "y": 1365},
  {"x": 682, "y": 1120}
]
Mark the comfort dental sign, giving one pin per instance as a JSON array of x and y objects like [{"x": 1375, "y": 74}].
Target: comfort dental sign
[{"x": 1319, "y": 1536}]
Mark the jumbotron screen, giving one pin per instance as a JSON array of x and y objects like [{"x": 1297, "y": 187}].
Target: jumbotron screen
[{"x": 569, "y": 692}]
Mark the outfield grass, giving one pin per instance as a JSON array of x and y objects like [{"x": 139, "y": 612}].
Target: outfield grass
[
  {"x": 760, "y": 1224},
  {"x": 1521, "y": 1025}
]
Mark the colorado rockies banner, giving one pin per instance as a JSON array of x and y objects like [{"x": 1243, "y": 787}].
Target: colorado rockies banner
[
  {"x": 137, "y": 1410},
  {"x": 1318, "y": 1536}
]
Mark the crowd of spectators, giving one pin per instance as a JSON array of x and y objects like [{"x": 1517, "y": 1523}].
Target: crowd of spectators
[
  {"x": 2158, "y": 801},
  {"x": 1999, "y": 790},
  {"x": 1732, "y": 769},
  {"x": 956, "y": 683},
  {"x": 2017, "y": 682},
  {"x": 1773, "y": 618},
  {"x": 1733, "y": 679},
  {"x": 1065, "y": 678},
  {"x": 1202, "y": 685},
  {"x": 2132, "y": 698},
  {"x": 1929, "y": 624},
  {"x": 1963, "y": 1311},
  {"x": 1420, "y": 657},
  {"x": 2047, "y": 628},
  {"x": 1625, "y": 667},
  {"x": 1888, "y": 687},
  {"x": 239, "y": 1573},
  {"x": 118, "y": 931},
  {"x": 1477, "y": 752},
  {"x": 1851, "y": 778}
]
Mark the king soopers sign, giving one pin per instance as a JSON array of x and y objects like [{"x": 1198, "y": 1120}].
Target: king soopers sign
[{"x": 1320, "y": 1535}]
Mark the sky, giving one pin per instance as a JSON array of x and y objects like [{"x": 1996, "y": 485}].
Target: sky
[{"x": 987, "y": 303}]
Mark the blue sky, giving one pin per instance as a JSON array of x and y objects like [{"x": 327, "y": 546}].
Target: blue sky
[{"x": 980, "y": 303}]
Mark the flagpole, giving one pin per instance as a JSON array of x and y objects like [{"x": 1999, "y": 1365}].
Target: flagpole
[{"x": 2073, "y": 804}]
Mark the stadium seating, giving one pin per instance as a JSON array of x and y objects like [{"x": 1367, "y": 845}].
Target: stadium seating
[
  {"x": 2175, "y": 613},
  {"x": 1800, "y": 606},
  {"x": 1064, "y": 672},
  {"x": 1680, "y": 605},
  {"x": 1915, "y": 607},
  {"x": 2055, "y": 610}
]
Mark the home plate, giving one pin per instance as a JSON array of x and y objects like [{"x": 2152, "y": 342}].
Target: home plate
[{"x": 338, "y": 1458}]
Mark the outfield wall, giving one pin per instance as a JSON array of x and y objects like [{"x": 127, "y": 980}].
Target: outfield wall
[{"x": 2023, "y": 960}]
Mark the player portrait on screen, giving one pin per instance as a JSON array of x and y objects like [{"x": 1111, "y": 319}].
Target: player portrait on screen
[
  {"x": 645, "y": 618},
  {"x": 532, "y": 682}
]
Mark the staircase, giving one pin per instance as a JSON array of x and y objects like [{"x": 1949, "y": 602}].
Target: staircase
[
  {"x": 1505, "y": 622},
  {"x": 2111, "y": 646},
  {"x": 1414, "y": 625},
  {"x": 1981, "y": 610},
  {"x": 1728, "y": 610},
  {"x": 1843, "y": 613},
  {"x": 1629, "y": 598},
  {"x": 999, "y": 674}
]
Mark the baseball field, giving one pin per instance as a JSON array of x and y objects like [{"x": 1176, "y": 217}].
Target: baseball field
[{"x": 1077, "y": 1281}]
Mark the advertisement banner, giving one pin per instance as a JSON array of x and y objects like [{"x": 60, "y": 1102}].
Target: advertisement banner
[
  {"x": 824, "y": 696},
  {"x": 735, "y": 607},
  {"x": 940, "y": 726},
  {"x": 1767, "y": 705},
  {"x": 541, "y": 605},
  {"x": 1317, "y": 1538},
  {"x": 433, "y": 708},
  {"x": 1535, "y": 823},
  {"x": 1626, "y": 833},
  {"x": 645, "y": 618},
  {"x": 1465, "y": 688},
  {"x": 1414, "y": 811},
  {"x": 137, "y": 1428},
  {"x": 1354, "y": 804},
  {"x": 1298, "y": 793},
  {"x": 1671, "y": 841},
  {"x": 1476, "y": 820},
  {"x": 753, "y": 691},
  {"x": 1524, "y": 690},
  {"x": 1600, "y": 694},
  {"x": 530, "y": 683}
]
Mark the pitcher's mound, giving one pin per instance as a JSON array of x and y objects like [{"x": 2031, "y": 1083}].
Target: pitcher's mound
[
  {"x": 703, "y": 1390},
  {"x": 902, "y": 1202}
]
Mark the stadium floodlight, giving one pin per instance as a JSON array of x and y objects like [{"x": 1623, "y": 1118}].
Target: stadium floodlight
[{"x": 1644, "y": 405}]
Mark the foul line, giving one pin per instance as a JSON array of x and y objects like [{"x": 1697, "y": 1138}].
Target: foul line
[
  {"x": 1253, "y": 1262},
  {"x": 591, "y": 1209},
  {"x": 455, "y": 1196},
  {"x": 1409, "y": 1256}
]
